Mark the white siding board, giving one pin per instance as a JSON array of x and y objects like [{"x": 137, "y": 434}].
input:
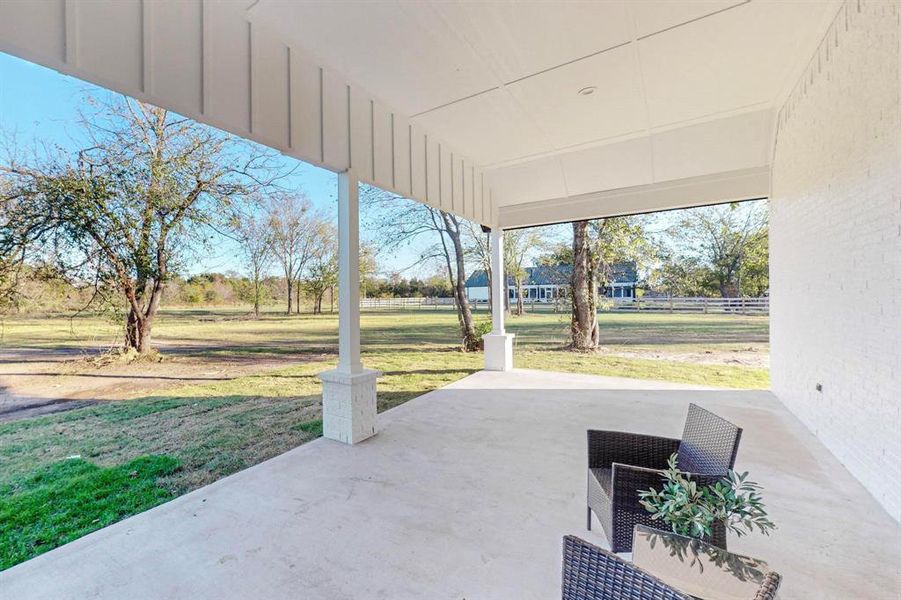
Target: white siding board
[
  {"x": 468, "y": 204},
  {"x": 306, "y": 108},
  {"x": 227, "y": 66},
  {"x": 175, "y": 69},
  {"x": 433, "y": 174},
  {"x": 361, "y": 134},
  {"x": 479, "y": 212},
  {"x": 402, "y": 156},
  {"x": 382, "y": 141},
  {"x": 418, "y": 164},
  {"x": 110, "y": 38},
  {"x": 335, "y": 111},
  {"x": 270, "y": 90},
  {"x": 38, "y": 28},
  {"x": 446, "y": 174},
  {"x": 204, "y": 59},
  {"x": 457, "y": 183}
]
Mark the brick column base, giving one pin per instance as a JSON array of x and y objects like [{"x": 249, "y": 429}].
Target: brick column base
[{"x": 349, "y": 405}]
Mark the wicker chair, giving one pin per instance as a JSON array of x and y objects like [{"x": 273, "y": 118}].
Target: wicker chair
[
  {"x": 621, "y": 464},
  {"x": 591, "y": 573}
]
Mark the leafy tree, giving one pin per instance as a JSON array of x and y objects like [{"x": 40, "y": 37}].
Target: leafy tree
[
  {"x": 519, "y": 244},
  {"x": 322, "y": 274},
  {"x": 369, "y": 266},
  {"x": 678, "y": 276},
  {"x": 730, "y": 240},
  {"x": 126, "y": 210},
  {"x": 597, "y": 246}
]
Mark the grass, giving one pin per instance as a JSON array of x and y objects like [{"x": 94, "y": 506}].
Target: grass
[
  {"x": 140, "y": 452},
  {"x": 65, "y": 500}
]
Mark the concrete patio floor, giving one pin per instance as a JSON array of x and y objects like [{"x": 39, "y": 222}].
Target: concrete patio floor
[{"x": 466, "y": 494}]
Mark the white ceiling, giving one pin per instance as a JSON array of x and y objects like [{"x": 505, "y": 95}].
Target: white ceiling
[{"x": 500, "y": 80}]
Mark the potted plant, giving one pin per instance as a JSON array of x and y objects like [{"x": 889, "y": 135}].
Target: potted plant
[{"x": 706, "y": 512}]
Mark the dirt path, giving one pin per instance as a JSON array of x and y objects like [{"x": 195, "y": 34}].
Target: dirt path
[
  {"x": 34, "y": 382},
  {"x": 746, "y": 357}
]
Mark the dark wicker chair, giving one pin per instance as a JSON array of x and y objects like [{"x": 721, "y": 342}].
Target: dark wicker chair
[
  {"x": 621, "y": 464},
  {"x": 591, "y": 573}
]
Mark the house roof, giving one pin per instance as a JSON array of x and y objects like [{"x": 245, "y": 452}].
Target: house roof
[{"x": 624, "y": 272}]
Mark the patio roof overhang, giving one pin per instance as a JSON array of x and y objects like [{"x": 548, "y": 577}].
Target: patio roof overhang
[{"x": 508, "y": 114}]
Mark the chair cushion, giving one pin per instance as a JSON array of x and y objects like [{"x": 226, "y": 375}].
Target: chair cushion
[{"x": 604, "y": 477}]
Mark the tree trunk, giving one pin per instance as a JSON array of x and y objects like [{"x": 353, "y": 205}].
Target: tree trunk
[
  {"x": 490, "y": 291},
  {"x": 470, "y": 341},
  {"x": 290, "y": 295},
  {"x": 139, "y": 325},
  {"x": 519, "y": 299},
  {"x": 256, "y": 298},
  {"x": 297, "y": 297},
  {"x": 584, "y": 318}
]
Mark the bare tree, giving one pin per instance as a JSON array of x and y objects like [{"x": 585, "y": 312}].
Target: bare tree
[
  {"x": 256, "y": 239},
  {"x": 296, "y": 228},
  {"x": 124, "y": 211},
  {"x": 400, "y": 222},
  {"x": 457, "y": 275}
]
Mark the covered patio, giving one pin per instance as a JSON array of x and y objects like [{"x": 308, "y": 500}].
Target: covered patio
[
  {"x": 513, "y": 115},
  {"x": 466, "y": 493}
]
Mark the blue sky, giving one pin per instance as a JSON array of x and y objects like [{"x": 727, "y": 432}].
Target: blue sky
[{"x": 42, "y": 105}]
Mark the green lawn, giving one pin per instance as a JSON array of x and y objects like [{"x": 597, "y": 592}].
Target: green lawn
[{"x": 64, "y": 475}]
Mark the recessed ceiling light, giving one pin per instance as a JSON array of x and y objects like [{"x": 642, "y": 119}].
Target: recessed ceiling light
[{"x": 587, "y": 91}]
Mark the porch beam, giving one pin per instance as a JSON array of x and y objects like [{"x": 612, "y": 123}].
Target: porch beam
[
  {"x": 498, "y": 343},
  {"x": 349, "y": 391}
]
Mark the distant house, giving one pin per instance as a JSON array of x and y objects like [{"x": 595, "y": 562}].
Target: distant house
[{"x": 546, "y": 284}]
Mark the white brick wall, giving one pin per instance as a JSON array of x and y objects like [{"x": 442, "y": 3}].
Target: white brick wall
[{"x": 836, "y": 247}]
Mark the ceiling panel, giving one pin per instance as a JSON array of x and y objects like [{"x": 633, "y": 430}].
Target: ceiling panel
[
  {"x": 522, "y": 38},
  {"x": 615, "y": 108},
  {"x": 734, "y": 59},
  {"x": 652, "y": 16},
  {"x": 401, "y": 53},
  {"x": 536, "y": 180},
  {"x": 490, "y": 128},
  {"x": 608, "y": 167},
  {"x": 729, "y": 144}
]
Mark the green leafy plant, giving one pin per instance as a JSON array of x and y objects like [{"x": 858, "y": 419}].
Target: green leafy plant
[{"x": 692, "y": 510}]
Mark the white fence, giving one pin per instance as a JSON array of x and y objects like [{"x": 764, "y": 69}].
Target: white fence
[
  {"x": 404, "y": 303},
  {"x": 740, "y": 306}
]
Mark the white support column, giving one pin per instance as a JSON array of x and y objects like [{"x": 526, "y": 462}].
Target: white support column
[
  {"x": 348, "y": 392},
  {"x": 498, "y": 343}
]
